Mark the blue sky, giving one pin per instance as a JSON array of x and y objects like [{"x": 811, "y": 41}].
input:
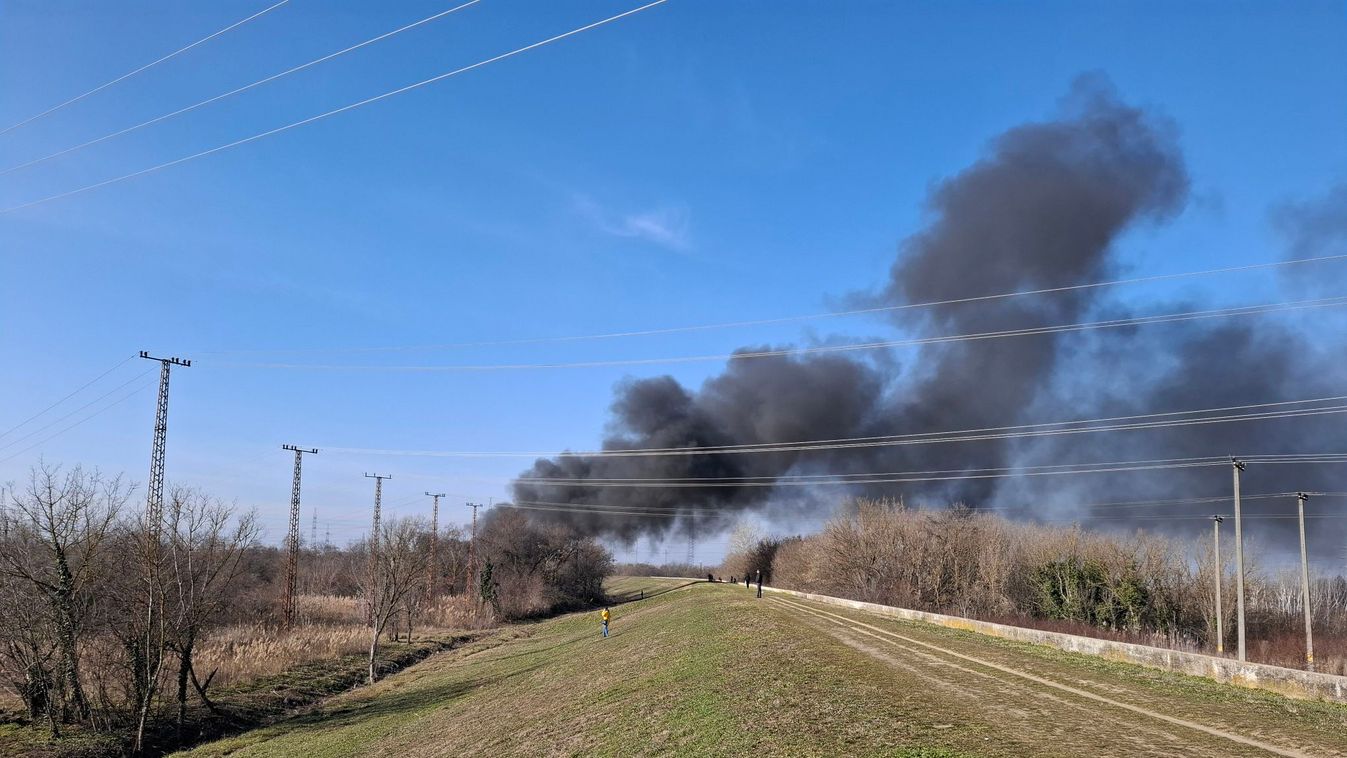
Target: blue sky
[{"x": 698, "y": 162}]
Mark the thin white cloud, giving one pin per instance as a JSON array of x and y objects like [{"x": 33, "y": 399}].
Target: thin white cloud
[{"x": 666, "y": 226}]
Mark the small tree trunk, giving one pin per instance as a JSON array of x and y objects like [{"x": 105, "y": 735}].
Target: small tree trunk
[
  {"x": 184, "y": 668},
  {"x": 201, "y": 688},
  {"x": 373, "y": 650}
]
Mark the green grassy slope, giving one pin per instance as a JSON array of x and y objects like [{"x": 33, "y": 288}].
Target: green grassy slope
[
  {"x": 696, "y": 670},
  {"x": 702, "y": 669}
]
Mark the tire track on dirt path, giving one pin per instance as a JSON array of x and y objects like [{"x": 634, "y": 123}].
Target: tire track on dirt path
[{"x": 889, "y": 637}]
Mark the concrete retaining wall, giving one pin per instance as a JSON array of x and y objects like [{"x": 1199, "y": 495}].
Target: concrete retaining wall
[{"x": 1290, "y": 682}]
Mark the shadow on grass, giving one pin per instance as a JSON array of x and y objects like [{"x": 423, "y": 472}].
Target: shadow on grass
[
  {"x": 632, "y": 597},
  {"x": 390, "y": 704}
]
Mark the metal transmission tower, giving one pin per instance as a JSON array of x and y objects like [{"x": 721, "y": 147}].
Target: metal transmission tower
[
  {"x": 154, "y": 497},
  {"x": 313, "y": 530},
  {"x": 432, "y": 567},
  {"x": 374, "y": 541},
  {"x": 472, "y": 552},
  {"x": 692, "y": 539},
  {"x": 292, "y": 537}
]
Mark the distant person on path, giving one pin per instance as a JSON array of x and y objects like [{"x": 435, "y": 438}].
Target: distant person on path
[
  {"x": 759, "y": 584},
  {"x": 746, "y": 580},
  {"x": 606, "y": 616}
]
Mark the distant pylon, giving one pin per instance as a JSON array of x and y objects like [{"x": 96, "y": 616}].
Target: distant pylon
[
  {"x": 292, "y": 537},
  {"x": 374, "y": 541},
  {"x": 313, "y": 530},
  {"x": 471, "y": 579},
  {"x": 432, "y": 568},
  {"x": 692, "y": 540}
]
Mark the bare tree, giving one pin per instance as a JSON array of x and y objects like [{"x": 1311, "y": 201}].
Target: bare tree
[
  {"x": 205, "y": 542},
  {"x": 398, "y": 573},
  {"x": 55, "y": 532}
]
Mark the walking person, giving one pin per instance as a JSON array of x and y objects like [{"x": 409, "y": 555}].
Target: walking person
[{"x": 605, "y": 616}]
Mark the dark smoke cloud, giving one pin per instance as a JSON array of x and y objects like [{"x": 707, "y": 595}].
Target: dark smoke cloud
[{"x": 1044, "y": 208}]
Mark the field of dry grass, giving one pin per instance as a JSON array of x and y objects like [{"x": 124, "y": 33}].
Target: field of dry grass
[{"x": 329, "y": 627}]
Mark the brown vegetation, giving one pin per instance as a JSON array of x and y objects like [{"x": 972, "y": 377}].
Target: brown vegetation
[
  {"x": 111, "y": 625},
  {"x": 1140, "y": 588}
]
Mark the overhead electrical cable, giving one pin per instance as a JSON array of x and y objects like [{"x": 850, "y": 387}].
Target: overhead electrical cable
[
  {"x": 73, "y": 393},
  {"x": 333, "y": 112},
  {"x": 239, "y": 90},
  {"x": 1250, "y": 310},
  {"x": 900, "y": 477},
  {"x": 963, "y": 435},
  {"x": 50, "y": 424},
  {"x": 96, "y": 413},
  {"x": 783, "y": 319},
  {"x": 145, "y": 67}
]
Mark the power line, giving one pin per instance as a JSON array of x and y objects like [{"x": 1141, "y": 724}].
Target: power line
[
  {"x": 334, "y": 112},
  {"x": 238, "y": 90},
  {"x": 58, "y": 420},
  {"x": 149, "y": 65},
  {"x": 962, "y": 435},
  {"x": 899, "y": 477},
  {"x": 790, "y": 319},
  {"x": 1250, "y": 310},
  {"x": 77, "y": 390},
  {"x": 96, "y": 413}
]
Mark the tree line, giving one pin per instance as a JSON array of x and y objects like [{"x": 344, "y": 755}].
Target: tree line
[
  {"x": 102, "y": 612},
  {"x": 1140, "y": 587}
]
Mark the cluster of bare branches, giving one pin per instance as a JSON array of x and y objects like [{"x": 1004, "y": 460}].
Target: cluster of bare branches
[
  {"x": 104, "y": 614},
  {"x": 1139, "y": 586},
  {"x": 95, "y": 603}
]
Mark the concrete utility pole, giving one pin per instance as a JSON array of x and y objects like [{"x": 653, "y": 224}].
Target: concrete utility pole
[
  {"x": 292, "y": 537},
  {"x": 434, "y": 539},
  {"x": 470, "y": 582},
  {"x": 1301, "y": 497},
  {"x": 1216, "y": 544},
  {"x": 1237, "y": 466},
  {"x": 374, "y": 541}
]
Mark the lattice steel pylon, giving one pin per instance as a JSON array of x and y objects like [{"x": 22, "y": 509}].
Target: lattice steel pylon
[
  {"x": 292, "y": 536},
  {"x": 154, "y": 492},
  {"x": 374, "y": 543},
  {"x": 431, "y": 567}
]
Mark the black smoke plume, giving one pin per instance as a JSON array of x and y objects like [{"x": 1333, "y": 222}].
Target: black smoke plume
[{"x": 1043, "y": 209}]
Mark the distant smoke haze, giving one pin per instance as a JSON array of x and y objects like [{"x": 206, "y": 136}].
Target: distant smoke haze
[{"x": 1043, "y": 208}]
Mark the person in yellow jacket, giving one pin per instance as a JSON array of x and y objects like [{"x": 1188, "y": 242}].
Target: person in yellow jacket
[{"x": 605, "y": 616}]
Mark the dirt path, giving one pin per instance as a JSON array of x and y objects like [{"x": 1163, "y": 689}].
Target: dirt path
[{"x": 1075, "y": 710}]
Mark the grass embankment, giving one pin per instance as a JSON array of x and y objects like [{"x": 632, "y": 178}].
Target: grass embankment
[{"x": 699, "y": 670}]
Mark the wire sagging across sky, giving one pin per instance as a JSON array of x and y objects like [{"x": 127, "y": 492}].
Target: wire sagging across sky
[
  {"x": 1248, "y": 310},
  {"x": 916, "y": 438},
  {"x": 143, "y": 68},
  {"x": 333, "y": 112},
  {"x": 237, "y": 90}
]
